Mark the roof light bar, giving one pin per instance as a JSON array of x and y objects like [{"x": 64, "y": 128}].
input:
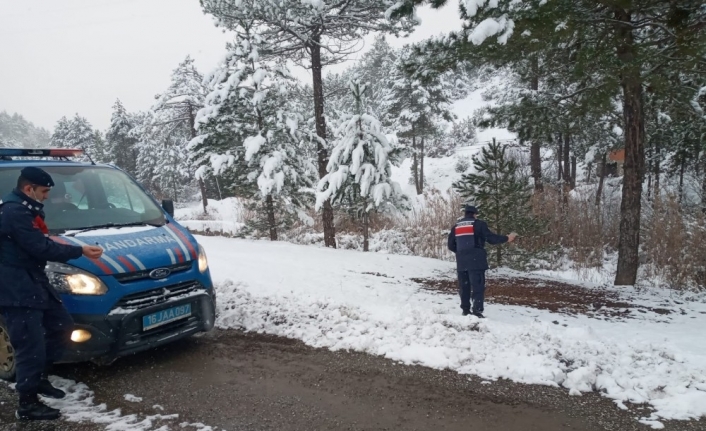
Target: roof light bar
[
  {"x": 66, "y": 152},
  {"x": 31, "y": 152}
]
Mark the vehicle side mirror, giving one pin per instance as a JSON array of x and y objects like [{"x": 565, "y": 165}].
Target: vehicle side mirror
[{"x": 168, "y": 206}]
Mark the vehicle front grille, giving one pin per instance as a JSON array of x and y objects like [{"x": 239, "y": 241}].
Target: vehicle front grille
[
  {"x": 139, "y": 275},
  {"x": 156, "y": 296}
]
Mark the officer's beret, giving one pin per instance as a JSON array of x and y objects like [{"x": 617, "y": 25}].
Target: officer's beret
[
  {"x": 470, "y": 209},
  {"x": 37, "y": 176}
]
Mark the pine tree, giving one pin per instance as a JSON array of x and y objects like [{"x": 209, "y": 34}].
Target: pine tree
[
  {"x": 120, "y": 140},
  {"x": 359, "y": 172},
  {"x": 174, "y": 114},
  {"x": 149, "y": 150},
  {"x": 500, "y": 191},
  {"x": 99, "y": 151},
  {"x": 246, "y": 128},
  {"x": 61, "y": 132},
  {"x": 314, "y": 33},
  {"x": 78, "y": 133},
  {"x": 414, "y": 108},
  {"x": 373, "y": 69}
]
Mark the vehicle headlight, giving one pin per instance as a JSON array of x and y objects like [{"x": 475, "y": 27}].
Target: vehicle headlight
[
  {"x": 203, "y": 261},
  {"x": 69, "y": 279}
]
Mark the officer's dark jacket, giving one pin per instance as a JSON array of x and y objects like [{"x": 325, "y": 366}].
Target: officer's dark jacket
[
  {"x": 24, "y": 252},
  {"x": 467, "y": 239}
]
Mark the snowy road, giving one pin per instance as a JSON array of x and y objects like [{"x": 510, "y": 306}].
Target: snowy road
[{"x": 232, "y": 381}]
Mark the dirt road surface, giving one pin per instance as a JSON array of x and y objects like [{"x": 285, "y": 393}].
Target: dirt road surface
[{"x": 236, "y": 381}]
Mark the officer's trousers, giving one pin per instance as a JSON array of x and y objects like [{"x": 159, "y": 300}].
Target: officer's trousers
[
  {"x": 471, "y": 285},
  {"x": 39, "y": 338}
]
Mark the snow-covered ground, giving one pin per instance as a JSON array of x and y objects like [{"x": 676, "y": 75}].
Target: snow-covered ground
[
  {"x": 224, "y": 216},
  {"x": 80, "y": 406},
  {"x": 367, "y": 302}
]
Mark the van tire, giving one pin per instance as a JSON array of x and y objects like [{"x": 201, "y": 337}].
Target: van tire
[{"x": 7, "y": 354}]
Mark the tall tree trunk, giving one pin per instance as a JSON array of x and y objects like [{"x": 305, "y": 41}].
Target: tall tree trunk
[
  {"x": 657, "y": 150},
  {"x": 560, "y": 158},
  {"x": 560, "y": 174},
  {"x": 202, "y": 185},
  {"x": 589, "y": 171},
  {"x": 682, "y": 168},
  {"x": 567, "y": 159},
  {"x": 415, "y": 166},
  {"x": 634, "y": 118},
  {"x": 415, "y": 161},
  {"x": 535, "y": 150},
  {"x": 573, "y": 172},
  {"x": 536, "y": 165},
  {"x": 567, "y": 171},
  {"x": 420, "y": 190},
  {"x": 204, "y": 200},
  {"x": 218, "y": 187},
  {"x": 322, "y": 153},
  {"x": 703, "y": 184},
  {"x": 366, "y": 231},
  {"x": 650, "y": 161},
  {"x": 271, "y": 224},
  {"x": 603, "y": 169}
]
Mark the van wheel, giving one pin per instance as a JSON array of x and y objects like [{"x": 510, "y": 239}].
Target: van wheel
[{"x": 7, "y": 354}]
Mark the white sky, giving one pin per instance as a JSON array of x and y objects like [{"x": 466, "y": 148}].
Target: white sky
[{"x": 61, "y": 57}]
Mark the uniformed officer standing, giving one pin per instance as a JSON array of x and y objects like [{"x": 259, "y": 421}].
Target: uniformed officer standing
[
  {"x": 467, "y": 239},
  {"x": 37, "y": 322}
]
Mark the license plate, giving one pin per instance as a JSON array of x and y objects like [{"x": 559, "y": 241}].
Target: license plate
[{"x": 163, "y": 317}]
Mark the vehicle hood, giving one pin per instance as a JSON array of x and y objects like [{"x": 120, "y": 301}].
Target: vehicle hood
[{"x": 133, "y": 249}]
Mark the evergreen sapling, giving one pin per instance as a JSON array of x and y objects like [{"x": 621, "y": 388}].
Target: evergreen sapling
[{"x": 360, "y": 168}]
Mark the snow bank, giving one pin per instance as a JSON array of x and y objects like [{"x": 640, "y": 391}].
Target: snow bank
[
  {"x": 224, "y": 216},
  {"x": 366, "y": 302}
]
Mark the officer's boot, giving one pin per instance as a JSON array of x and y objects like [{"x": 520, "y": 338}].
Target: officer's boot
[
  {"x": 46, "y": 389},
  {"x": 31, "y": 409}
]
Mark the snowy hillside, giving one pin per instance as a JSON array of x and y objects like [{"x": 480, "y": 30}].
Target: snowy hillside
[
  {"x": 372, "y": 303},
  {"x": 439, "y": 173}
]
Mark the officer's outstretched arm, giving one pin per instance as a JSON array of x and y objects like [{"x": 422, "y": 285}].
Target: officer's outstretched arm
[
  {"x": 492, "y": 237},
  {"x": 33, "y": 241}
]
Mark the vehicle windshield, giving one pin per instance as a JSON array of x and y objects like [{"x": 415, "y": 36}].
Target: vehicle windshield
[{"x": 87, "y": 196}]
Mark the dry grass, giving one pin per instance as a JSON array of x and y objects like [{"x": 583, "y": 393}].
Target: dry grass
[
  {"x": 576, "y": 225},
  {"x": 673, "y": 244},
  {"x": 426, "y": 228}
]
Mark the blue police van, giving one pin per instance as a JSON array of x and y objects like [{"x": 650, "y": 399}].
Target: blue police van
[{"x": 152, "y": 285}]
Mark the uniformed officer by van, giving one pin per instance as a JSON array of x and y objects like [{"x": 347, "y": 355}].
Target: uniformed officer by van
[
  {"x": 37, "y": 322},
  {"x": 467, "y": 239}
]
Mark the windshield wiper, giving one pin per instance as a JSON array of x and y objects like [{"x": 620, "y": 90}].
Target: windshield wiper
[{"x": 113, "y": 225}]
